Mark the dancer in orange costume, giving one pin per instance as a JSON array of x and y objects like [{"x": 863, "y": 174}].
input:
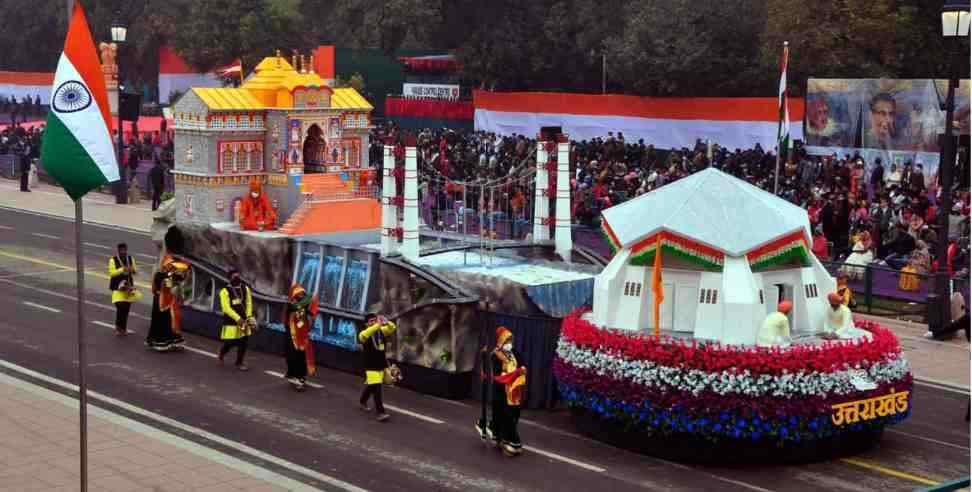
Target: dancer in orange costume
[
  {"x": 256, "y": 213},
  {"x": 299, "y": 317}
]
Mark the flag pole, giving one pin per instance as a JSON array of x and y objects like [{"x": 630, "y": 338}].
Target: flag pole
[
  {"x": 82, "y": 385},
  {"x": 784, "y": 117}
]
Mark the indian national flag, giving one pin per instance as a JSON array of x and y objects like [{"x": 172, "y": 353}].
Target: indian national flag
[
  {"x": 783, "y": 135},
  {"x": 77, "y": 150}
]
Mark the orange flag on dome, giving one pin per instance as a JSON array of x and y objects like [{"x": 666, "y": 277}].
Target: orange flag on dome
[{"x": 656, "y": 286}]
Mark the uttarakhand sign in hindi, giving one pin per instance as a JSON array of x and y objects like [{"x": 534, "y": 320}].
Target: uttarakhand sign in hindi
[
  {"x": 434, "y": 91},
  {"x": 897, "y": 120}
]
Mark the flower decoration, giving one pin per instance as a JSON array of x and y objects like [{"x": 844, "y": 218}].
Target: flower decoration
[{"x": 721, "y": 391}]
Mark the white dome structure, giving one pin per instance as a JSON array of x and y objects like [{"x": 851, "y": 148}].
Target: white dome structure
[{"x": 730, "y": 253}]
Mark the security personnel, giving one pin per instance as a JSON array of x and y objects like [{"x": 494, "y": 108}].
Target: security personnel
[
  {"x": 372, "y": 339},
  {"x": 121, "y": 274},
  {"x": 236, "y": 301}
]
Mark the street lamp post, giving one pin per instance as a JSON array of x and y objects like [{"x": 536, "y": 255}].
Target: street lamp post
[
  {"x": 955, "y": 28},
  {"x": 119, "y": 34}
]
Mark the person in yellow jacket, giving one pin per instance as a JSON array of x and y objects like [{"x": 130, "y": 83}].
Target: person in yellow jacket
[
  {"x": 372, "y": 339},
  {"x": 121, "y": 282},
  {"x": 776, "y": 327},
  {"x": 236, "y": 302}
]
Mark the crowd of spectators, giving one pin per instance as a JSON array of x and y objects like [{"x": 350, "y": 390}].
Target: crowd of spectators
[
  {"x": 860, "y": 212},
  {"x": 22, "y": 110}
]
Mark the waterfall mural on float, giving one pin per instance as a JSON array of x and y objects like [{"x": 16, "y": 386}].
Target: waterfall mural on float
[
  {"x": 355, "y": 278},
  {"x": 309, "y": 262},
  {"x": 331, "y": 280}
]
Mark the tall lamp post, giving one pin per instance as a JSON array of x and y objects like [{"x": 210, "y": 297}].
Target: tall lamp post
[
  {"x": 955, "y": 29},
  {"x": 119, "y": 34}
]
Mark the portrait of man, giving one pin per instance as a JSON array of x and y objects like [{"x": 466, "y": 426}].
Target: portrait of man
[
  {"x": 881, "y": 132},
  {"x": 823, "y": 129}
]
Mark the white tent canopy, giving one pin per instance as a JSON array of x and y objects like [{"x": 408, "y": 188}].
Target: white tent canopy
[{"x": 712, "y": 208}]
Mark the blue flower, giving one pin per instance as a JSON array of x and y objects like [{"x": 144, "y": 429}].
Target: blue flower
[
  {"x": 690, "y": 426},
  {"x": 793, "y": 420},
  {"x": 740, "y": 423},
  {"x": 756, "y": 421},
  {"x": 717, "y": 427},
  {"x": 783, "y": 432},
  {"x": 724, "y": 416},
  {"x": 813, "y": 424},
  {"x": 755, "y": 435},
  {"x": 736, "y": 432}
]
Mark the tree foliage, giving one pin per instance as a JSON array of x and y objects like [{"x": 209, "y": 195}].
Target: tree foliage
[{"x": 652, "y": 47}]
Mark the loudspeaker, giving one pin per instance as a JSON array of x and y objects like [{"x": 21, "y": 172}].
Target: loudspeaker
[
  {"x": 129, "y": 106},
  {"x": 549, "y": 133}
]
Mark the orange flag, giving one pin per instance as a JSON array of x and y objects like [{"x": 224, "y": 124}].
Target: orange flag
[{"x": 656, "y": 285}]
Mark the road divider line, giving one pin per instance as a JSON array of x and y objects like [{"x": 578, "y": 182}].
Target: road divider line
[
  {"x": 145, "y": 429},
  {"x": 942, "y": 385},
  {"x": 281, "y": 375},
  {"x": 109, "y": 325},
  {"x": 37, "y": 274},
  {"x": 143, "y": 255},
  {"x": 65, "y": 296},
  {"x": 889, "y": 471},
  {"x": 414, "y": 414},
  {"x": 390, "y": 407},
  {"x": 928, "y": 439},
  {"x": 40, "y": 306},
  {"x": 200, "y": 352},
  {"x": 46, "y": 236},
  {"x": 99, "y": 246},
  {"x": 6, "y": 228},
  {"x": 51, "y": 264},
  {"x": 565, "y": 459}
]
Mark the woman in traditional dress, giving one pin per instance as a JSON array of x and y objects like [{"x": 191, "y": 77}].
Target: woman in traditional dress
[
  {"x": 509, "y": 382},
  {"x": 165, "y": 331},
  {"x": 860, "y": 257},
  {"x": 299, "y": 316}
]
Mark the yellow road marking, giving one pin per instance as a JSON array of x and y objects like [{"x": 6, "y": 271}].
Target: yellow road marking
[
  {"x": 889, "y": 471},
  {"x": 51, "y": 264}
]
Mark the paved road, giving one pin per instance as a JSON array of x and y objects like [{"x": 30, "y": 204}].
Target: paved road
[{"x": 429, "y": 443}]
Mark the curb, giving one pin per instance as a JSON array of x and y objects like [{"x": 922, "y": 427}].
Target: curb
[{"x": 70, "y": 219}]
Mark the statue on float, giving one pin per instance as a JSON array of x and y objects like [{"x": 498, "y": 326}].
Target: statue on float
[{"x": 256, "y": 212}]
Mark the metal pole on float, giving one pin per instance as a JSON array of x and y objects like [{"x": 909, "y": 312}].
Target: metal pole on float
[
  {"x": 389, "y": 216},
  {"x": 541, "y": 203},
  {"x": 563, "y": 241},
  {"x": 410, "y": 227}
]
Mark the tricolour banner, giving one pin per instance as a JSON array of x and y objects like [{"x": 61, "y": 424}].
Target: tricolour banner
[{"x": 666, "y": 122}]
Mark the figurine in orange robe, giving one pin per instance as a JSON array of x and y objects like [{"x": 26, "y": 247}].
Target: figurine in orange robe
[{"x": 256, "y": 213}]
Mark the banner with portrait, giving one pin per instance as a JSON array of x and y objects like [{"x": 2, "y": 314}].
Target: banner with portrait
[{"x": 896, "y": 120}]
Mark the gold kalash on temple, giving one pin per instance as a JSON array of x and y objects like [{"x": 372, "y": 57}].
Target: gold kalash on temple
[{"x": 284, "y": 129}]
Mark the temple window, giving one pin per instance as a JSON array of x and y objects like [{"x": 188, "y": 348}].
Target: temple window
[
  {"x": 258, "y": 122},
  {"x": 244, "y": 122},
  {"x": 231, "y": 122},
  {"x": 227, "y": 158}
]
